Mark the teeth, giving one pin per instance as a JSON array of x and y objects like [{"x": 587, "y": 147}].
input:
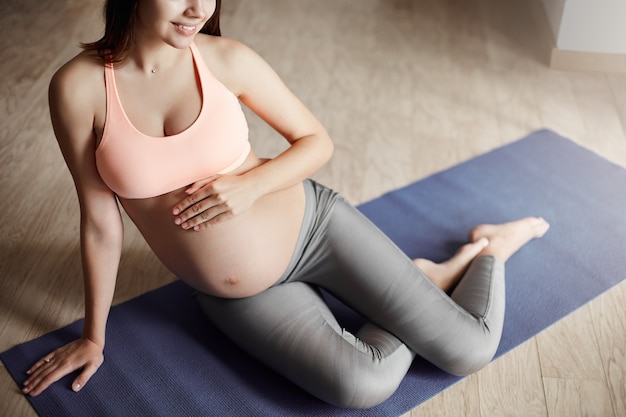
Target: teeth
[{"x": 186, "y": 27}]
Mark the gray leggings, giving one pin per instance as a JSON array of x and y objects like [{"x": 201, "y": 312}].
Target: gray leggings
[{"x": 290, "y": 328}]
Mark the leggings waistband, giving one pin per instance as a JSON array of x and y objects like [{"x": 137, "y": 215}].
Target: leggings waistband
[
  {"x": 305, "y": 229},
  {"x": 318, "y": 201}
]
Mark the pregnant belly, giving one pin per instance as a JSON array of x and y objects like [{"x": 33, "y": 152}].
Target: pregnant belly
[{"x": 237, "y": 258}]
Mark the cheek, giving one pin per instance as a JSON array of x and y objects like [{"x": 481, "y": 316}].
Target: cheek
[
  {"x": 209, "y": 7},
  {"x": 146, "y": 15}
]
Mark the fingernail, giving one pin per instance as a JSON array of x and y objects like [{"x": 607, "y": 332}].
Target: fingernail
[
  {"x": 177, "y": 221},
  {"x": 76, "y": 387},
  {"x": 176, "y": 211}
]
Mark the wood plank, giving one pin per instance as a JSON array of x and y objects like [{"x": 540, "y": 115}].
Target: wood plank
[
  {"x": 462, "y": 399},
  {"x": 574, "y": 378},
  {"x": 608, "y": 314},
  {"x": 568, "y": 349},
  {"x": 512, "y": 385},
  {"x": 600, "y": 115},
  {"x": 617, "y": 85},
  {"x": 577, "y": 398}
]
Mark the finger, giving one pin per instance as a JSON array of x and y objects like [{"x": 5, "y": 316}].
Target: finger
[
  {"x": 182, "y": 205},
  {"x": 84, "y": 376},
  {"x": 199, "y": 184},
  {"x": 43, "y": 361},
  {"x": 206, "y": 217},
  {"x": 217, "y": 219},
  {"x": 35, "y": 372},
  {"x": 196, "y": 186},
  {"x": 192, "y": 200},
  {"x": 197, "y": 213},
  {"x": 42, "y": 378}
]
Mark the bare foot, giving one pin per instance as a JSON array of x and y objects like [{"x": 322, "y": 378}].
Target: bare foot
[
  {"x": 446, "y": 274},
  {"x": 507, "y": 238}
]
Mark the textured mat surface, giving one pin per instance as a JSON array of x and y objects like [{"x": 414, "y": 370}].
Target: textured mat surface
[{"x": 164, "y": 359}]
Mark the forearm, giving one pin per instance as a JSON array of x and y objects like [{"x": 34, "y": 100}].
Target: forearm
[
  {"x": 100, "y": 256},
  {"x": 260, "y": 88},
  {"x": 300, "y": 161}
]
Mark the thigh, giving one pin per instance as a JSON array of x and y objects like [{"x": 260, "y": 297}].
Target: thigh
[{"x": 290, "y": 328}]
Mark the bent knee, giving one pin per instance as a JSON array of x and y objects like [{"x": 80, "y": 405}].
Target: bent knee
[
  {"x": 356, "y": 392},
  {"x": 470, "y": 362},
  {"x": 371, "y": 382}
]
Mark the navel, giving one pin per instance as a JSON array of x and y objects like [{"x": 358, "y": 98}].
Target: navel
[{"x": 231, "y": 281}]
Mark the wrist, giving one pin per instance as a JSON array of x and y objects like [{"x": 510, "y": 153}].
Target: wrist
[
  {"x": 92, "y": 335},
  {"x": 255, "y": 183},
  {"x": 97, "y": 342}
]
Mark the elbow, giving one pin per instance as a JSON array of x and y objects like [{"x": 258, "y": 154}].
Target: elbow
[
  {"x": 328, "y": 147},
  {"x": 101, "y": 233},
  {"x": 108, "y": 240}
]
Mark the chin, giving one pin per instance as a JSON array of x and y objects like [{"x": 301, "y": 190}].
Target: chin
[{"x": 181, "y": 43}]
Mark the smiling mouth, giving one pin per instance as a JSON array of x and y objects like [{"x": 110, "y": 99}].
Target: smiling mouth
[{"x": 185, "y": 28}]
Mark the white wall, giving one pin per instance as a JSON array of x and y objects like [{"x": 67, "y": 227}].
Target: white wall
[
  {"x": 554, "y": 13},
  {"x": 588, "y": 25}
]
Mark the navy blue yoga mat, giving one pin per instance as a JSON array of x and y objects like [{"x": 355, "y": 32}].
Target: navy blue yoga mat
[{"x": 164, "y": 359}]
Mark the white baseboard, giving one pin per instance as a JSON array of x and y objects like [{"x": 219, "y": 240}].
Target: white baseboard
[{"x": 587, "y": 61}]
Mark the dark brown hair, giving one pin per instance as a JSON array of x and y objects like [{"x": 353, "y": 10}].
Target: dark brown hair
[{"x": 119, "y": 29}]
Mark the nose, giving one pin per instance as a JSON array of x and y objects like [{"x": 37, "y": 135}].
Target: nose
[{"x": 196, "y": 9}]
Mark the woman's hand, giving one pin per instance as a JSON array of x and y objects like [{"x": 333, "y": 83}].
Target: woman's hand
[
  {"x": 212, "y": 200},
  {"x": 81, "y": 353}
]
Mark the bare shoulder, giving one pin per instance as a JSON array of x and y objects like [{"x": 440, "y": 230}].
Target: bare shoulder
[
  {"x": 231, "y": 61},
  {"x": 223, "y": 51},
  {"x": 77, "y": 99},
  {"x": 79, "y": 82}
]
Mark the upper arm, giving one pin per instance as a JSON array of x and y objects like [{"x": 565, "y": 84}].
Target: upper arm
[
  {"x": 260, "y": 88},
  {"x": 72, "y": 110}
]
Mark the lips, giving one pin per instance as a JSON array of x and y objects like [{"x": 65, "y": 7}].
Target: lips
[{"x": 185, "y": 29}]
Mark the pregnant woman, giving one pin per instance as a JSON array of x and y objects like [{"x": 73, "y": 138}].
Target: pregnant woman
[{"x": 149, "y": 116}]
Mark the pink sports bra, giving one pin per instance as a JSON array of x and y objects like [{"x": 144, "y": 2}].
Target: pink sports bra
[{"x": 135, "y": 165}]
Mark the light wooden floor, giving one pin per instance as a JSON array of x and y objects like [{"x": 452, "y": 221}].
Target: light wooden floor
[{"x": 406, "y": 88}]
